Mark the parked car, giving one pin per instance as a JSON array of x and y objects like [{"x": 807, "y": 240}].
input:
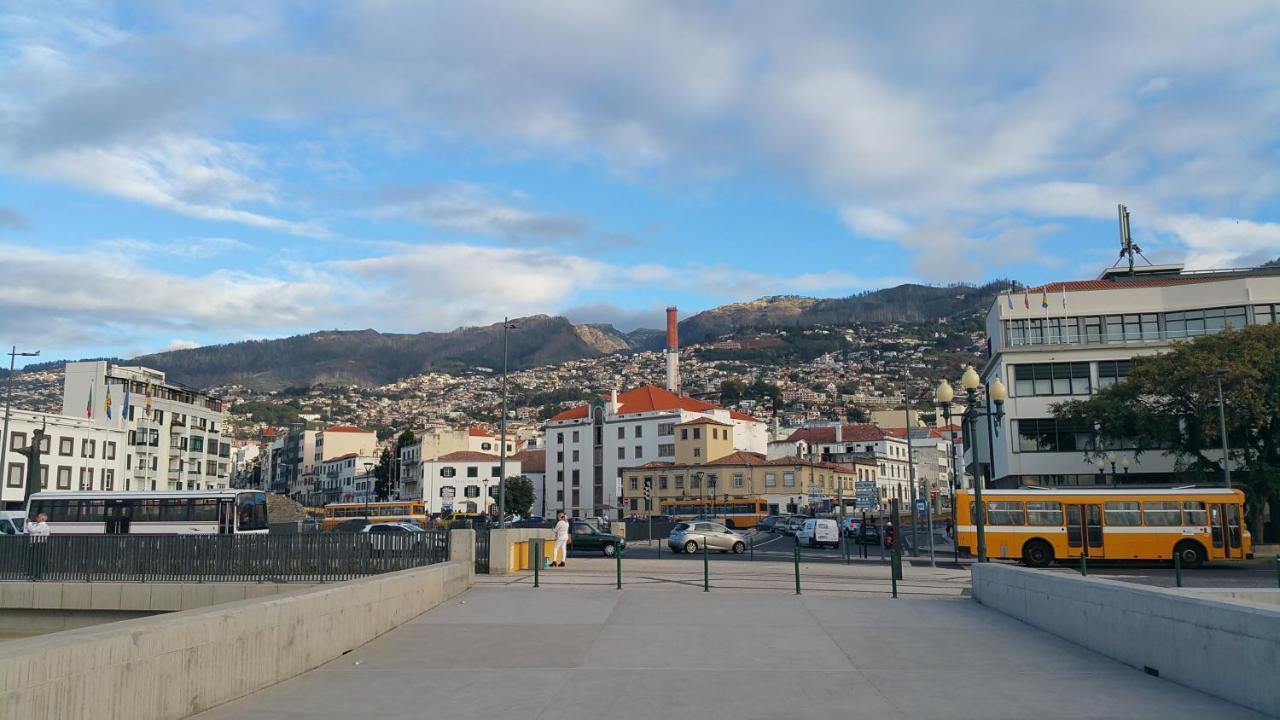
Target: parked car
[
  {"x": 690, "y": 537},
  {"x": 586, "y": 537},
  {"x": 794, "y": 523},
  {"x": 867, "y": 535},
  {"x": 394, "y": 537},
  {"x": 819, "y": 532},
  {"x": 12, "y": 521},
  {"x": 768, "y": 522}
]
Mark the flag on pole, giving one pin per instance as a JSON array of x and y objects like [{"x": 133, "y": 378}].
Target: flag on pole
[
  {"x": 1064, "y": 296},
  {"x": 106, "y": 403},
  {"x": 124, "y": 406},
  {"x": 147, "y": 408},
  {"x": 1026, "y": 300},
  {"x": 88, "y": 408},
  {"x": 1009, "y": 296},
  {"x": 1044, "y": 299}
]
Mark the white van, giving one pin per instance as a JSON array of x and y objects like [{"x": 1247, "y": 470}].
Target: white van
[
  {"x": 12, "y": 521},
  {"x": 819, "y": 531}
]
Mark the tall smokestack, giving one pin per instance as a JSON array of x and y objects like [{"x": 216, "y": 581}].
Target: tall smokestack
[{"x": 673, "y": 351}]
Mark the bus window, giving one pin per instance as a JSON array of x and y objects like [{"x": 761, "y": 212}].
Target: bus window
[
  {"x": 1161, "y": 513},
  {"x": 146, "y": 511},
  {"x": 1233, "y": 525},
  {"x": 1005, "y": 513},
  {"x": 1194, "y": 513},
  {"x": 1044, "y": 512},
  {"x": 173, "y": 509},
  {"x": 1123, "y": 513},
  {"x": 204, "y": 510},
  {"x": 251, "y": 512}
]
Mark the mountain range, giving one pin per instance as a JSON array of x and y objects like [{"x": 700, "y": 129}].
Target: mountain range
[{"x": 369, "y": 357}]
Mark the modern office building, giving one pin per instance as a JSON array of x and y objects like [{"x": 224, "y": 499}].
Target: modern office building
[{"x": 1067, "y": 340}]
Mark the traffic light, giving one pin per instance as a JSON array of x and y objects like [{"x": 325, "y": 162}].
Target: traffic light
[{"x": 648, "y": 488}]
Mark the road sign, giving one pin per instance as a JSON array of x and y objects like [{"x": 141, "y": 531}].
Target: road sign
[{"x": 920, "y": 508}]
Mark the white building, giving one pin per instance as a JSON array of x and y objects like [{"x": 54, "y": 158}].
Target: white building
[
  {"x": 533, "y": 465},
  {"x": 460, "y": 481},
  {"x": 347, "y": 478},
  {"x": 176, "y": 435},
  {"x": 1084, "y": 340},
  {"x": 76, "y": 454},
  {"x": 841, "y": 443},
  {"x": 587, "y": 445}
]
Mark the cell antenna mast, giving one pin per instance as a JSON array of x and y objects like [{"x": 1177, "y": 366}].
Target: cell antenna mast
[{"x": 1128, "y": 248}]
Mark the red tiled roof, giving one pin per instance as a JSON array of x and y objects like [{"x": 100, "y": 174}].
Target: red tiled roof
[
  {"x": 345, "y": 429},
  {"x": 742, "y": 457},
  {"x": 704, "y": 421},
  {"x": 850, "y": 433},
  {"x": 743, "y": 416},
  {"x": 348, "y": 456},
  {"x": 477, "y": 431},
  {"x": 648, "y": 398},
  {"x": 531, "y": 460},
  {"x": 467, "y": 456},
  {"x": 802, "y": 462}
]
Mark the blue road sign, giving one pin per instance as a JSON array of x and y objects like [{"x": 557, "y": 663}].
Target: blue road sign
[{"x": 920, "y": 506}]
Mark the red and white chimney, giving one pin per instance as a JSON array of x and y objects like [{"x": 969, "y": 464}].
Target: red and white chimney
[{"x": 673, "y": 351}]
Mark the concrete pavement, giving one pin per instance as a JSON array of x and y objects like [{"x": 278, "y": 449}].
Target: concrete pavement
[{"x": 572, "y": 651}]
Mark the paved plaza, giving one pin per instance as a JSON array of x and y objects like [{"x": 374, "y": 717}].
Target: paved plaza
[{"x": 663, "y": 648}]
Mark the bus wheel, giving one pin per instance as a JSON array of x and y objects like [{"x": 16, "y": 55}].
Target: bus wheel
[
  {"x": 1037, "y": 553},
  {"x": 1191, "y": 553}
]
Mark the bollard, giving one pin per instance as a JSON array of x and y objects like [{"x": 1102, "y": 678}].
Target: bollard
[
  {"x": 706, "y": 573},
  {"x": 537, "y": 561},
  {"x": 1084, "y": 565},
  {"x": 617, "y": 555},
  {"x": 1278, "y": 571},
  {"x": 893, "y": 577},
  {"x": 751, "y": 543},
  {"x": 1177, "y": 568},
  {"x": 797, "y": 556}
]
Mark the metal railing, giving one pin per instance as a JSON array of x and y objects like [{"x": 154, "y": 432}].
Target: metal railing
[
  {"x": 482, "y": 549},
  {"x": 301, "y": 557}
]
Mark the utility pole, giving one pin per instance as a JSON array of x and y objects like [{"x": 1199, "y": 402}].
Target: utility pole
[
  {"x": 502, "y": 441},
  {"x": 8, "y": 397},
  {"x": 911, "y": 474},
  {"x": 1222, "y": 427}
]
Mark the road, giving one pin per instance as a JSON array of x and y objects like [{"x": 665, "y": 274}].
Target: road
[{"x": 778, "y": 547}]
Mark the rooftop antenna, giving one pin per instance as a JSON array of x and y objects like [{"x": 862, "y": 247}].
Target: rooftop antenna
[{"x": 1128, "y": 248}]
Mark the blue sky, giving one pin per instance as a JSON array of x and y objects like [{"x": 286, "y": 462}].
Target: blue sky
[{"x": 173, "y": 177}]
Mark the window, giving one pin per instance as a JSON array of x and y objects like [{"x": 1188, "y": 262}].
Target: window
[
  {"x": 14, "y": 476},
  {"x": 87, "y": 448},
  {"x": 1044, "y": 512},
  {"x": 697, "y": 433},
  {"x": 66, "y": 446},
  {"x": 770, "y": 479},
  {"x": 697, "y": 452},
  {"x": 559, "y": 438},
  {"x": 471, "y": 491},
  {"x": 1111, "y": 372},
  {"x": 666, "y": 428},
  {"x": 174, "y": 510},
  {"x": 576, "y": 455},
  {"x": 1122, "y": 513},
  {"x": 1051, "y": 379},
  {"x": 473, "y": 471},
  {"x": 679, "y": 482},
  {"x": 575, "y": 436},
  {"x": 1093, "y": 330},
  {"x": 668, "y": 450},
  {"x": 1266, "y": 314},
  {"x": 635, "y": 483},
  {"x": 639, "y": 431},
  {"x": 17, "y": 440},
  {"x": 108, "y": 479},
  {"x": 560, "y": 456},
  {"x": 622, "y": 453},
  {"x": 684, "y": 433},
  {"x": 204, "y": 510},
  {"x": 1005, "y": 512},
  {"x": 1052, "y": 435},
  {"x": 1161, "y": 513},
  {"x": 448, "y": 472},
  {"x": 662, "y": 482},
  {"x": 64, "y": 477},
  {"x": 622, "y": 432},
  {"x": 486, "y": 446},
  {"x": 448, "y": 491},
  {"x": 639, "y": 451},
  {"x": 109, "y": 450},
  {"x": 788, "y": 479},
  {"x": 577, "y": 477},
  {"x": 1193, "y": 513},
  {"x": 86, "y": 478},
  {"x": 738, "y": 482}
]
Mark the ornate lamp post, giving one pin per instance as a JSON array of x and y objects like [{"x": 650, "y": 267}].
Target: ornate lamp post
[{"x": 997, "y": 392}]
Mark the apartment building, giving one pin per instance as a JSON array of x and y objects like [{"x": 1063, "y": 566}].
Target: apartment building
[
  {"x": 848, "y": 444},
  {"x": 461, "y": 481},
  {"x": 1068, "y": 340},
  {"x": 346, "y": 478},
  {"x": 587, "y": 445},
  {"x": 176, "y": 436},
  {"x": 76, "y": 454},
  {"x": 533, "y": 465}
]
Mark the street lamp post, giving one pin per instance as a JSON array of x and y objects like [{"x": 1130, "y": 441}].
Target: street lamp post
[
  {"x": 8, "y": 397},
  {"x": 502, "y": 440},
  {"x": 368, "y": 470},
  {"x": 996, "y": 394},
  {"x": 1124, "y": 463},
  {"x": 945, "y": 391},
  {"x": 1222, "y": 428}
]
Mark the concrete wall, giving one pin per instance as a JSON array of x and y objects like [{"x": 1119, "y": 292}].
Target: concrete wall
[
  {"x": 504, "y": 551},
  {"x": 1227, "y": 649},
  {"x": 182, "y": 663}
]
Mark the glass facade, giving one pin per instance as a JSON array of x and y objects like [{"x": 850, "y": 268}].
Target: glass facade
[{"x": 1132, "y": 327}]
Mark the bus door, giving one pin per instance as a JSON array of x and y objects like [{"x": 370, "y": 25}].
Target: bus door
[
  {"x": 226, "y": 517},
  {"x": 1224, "y": 526},
  {"x": 1084, "y": 529},
  {"x": 117, "y": 518}
]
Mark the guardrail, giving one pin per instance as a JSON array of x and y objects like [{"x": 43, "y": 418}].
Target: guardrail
[{"x": 301, "y": 557}]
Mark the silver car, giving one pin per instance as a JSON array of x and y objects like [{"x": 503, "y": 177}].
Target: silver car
[{"x": 690, "y": 537}]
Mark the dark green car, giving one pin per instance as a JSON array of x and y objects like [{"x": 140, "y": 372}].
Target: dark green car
[{"x": 585, "y": 538}]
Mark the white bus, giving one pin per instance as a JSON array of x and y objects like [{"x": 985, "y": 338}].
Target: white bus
[{"x": 187, "y": 512}]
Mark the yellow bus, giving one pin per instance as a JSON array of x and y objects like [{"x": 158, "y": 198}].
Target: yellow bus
[
  {"x": 741, "y": 513},
  {"x": 1040, "y": 526},
  {"x": 375, "y": 512}
]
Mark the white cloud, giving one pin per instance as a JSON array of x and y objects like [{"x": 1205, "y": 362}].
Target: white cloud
[
  {"x": 189, "y": 248},
  {"x": 181, "y": 344},
  {"x": 872, "y": 222},
  {"x": 470, "y": 208},
  {"x": 1222, "y": 242}
]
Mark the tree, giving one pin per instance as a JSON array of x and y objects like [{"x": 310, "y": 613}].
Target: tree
[
  {"x": 382, "y": 476},
  {"x": 1169, "y": 404},
  {"x": 732, "y": 392},
  {"x": 519, "y": 495},
  {"x": 856, "y": 415}
]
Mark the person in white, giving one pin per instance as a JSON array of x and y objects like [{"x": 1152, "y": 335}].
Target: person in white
[
  {"x": 38, "y": 530},
  {"x": 562, "y": 542}
]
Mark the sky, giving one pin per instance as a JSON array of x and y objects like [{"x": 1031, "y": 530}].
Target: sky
[{"x": 174, "y": 176}]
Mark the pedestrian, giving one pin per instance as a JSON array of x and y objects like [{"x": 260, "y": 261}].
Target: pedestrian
[
  {"x": 948, "y": 527},
  {"x": 560, "y": 549},
  {"x": 39, "y": 530},
  {"x": 888, "y": 536}
]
